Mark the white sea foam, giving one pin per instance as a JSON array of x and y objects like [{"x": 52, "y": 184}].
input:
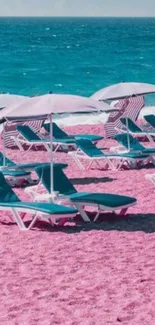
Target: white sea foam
[
  {"x": 58, "y": 85},
  {"x": 75, "y": 119},
  {"x": 93, "y": 118}
]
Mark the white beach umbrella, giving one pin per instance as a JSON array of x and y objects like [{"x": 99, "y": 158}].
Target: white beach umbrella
[
  {"x": 123, "y": 90},
  {"x": 11, "y": 99},
  {"x": 44, "y": 106},
  {"x": 7, "y": 102}
]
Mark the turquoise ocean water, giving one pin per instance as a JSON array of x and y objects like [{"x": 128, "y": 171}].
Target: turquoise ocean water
[{"x": 75, "y": 55}]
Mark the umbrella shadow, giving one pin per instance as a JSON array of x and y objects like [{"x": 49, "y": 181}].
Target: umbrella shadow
[
  {"x": 90, "y": 180},
  {"x": 106, "y": 222}
]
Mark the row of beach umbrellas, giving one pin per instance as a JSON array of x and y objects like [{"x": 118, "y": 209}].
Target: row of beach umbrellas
[{"x": 19, "y": 108}]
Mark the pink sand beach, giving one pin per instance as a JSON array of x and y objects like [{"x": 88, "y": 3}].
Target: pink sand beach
[{"x": 96, "y": 274}]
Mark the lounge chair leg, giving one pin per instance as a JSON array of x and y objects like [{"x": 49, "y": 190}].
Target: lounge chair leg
[
  {"x": 97, "y": 162},
  {"x": 47, "y": 147},
  {"x": 79, "y": 163},
  {"x": 111, "y": 164},
  {"x": 56, "y": 148},
  {"x": 17, "y": 143},
  {"x": 123, "y": 211},
  {"x": 19, "y": 220},
  {"x": 120, "y": 165},
  {"x": 35, "y": 217},
  {"x": 150, "y": 138},
  {"x": 82, "y": 212},
  {"x": 97, "y": 215},
  {"x": 152, "y": 159},
  {"x": 90, "y": 164}
]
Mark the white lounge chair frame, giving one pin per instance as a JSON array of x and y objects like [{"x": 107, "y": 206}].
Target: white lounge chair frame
[
  {"x": 80, "y": 155},
  {"x": 134, "y": 134},
  {"x": 38, "y": 194},
  {"x": 36, "y": 214}
]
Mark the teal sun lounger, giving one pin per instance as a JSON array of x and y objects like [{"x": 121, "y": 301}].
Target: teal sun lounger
[
  {"x": 58, "y": 133},
  {"x": 88, "y": 151},
  {"x": 103, "y": 201},
  {"x": 46, "y": 211}
]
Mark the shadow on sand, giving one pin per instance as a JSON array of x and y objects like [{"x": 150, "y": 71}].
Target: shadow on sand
[
  {"x": 90, "y": 180},
  {"x": 106, "y": 222}
]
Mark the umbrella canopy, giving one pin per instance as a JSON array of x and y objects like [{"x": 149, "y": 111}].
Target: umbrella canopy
[
  {"x": 11, "y": 99},
  {"x": 45, "y": 105},
  {"x": 123, "y": 89}
]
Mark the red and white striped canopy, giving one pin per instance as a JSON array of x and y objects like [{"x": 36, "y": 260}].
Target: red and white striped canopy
[{"x": 129, "y": 107}]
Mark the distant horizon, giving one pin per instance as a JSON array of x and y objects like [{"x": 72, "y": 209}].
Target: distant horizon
[
  {"x": 80, "y": 8},
  {"x": 45, "y": 16}
]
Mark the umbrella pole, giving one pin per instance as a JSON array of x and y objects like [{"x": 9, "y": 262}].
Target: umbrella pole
[
  {"x": 128, "y": 136},
  {"x": 51, "y": 153},
  {"x": 3, "y": 145}
]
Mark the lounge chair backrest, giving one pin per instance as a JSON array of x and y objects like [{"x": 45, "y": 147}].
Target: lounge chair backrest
[
  {"x": 129, "y": 107},
  {"x": 61, "y": 183},
  {"x": 134, "y": 144},
  {"x": 8, "y": 162},
  {"x": 57, "y": 131},
  {"x": 27, "y": 133},
  {"x": 89, "y": 148},
  {"x": 150, "y": 119},
  {"x": 131, "y": 125},
  {"x": 6, "y": 192},
  {"x": 11, "y": 132}
]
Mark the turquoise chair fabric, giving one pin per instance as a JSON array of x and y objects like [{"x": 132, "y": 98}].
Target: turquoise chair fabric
[
  {"x": 150, "y": 119},
  {"x": 60, "y": 134},
  {"x": 8, "y": 198},
  {"x": 134, "y": 143},
  {"x": 64, "y": 186},
  {"x": 92, "y": 151}
]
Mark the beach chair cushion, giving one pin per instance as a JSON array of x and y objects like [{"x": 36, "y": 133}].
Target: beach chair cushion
[
  {"x": 89, "y": 148},
  {"x": 9, "y": 199},
  {"x": 34, "y": 165},
  {"x": 66, "y": 187},
  {"x": 32, "y": 137},
  {"x": 28, "y": 133},
  {"x": 150, "y": 119},
  {"x": 10, "y": 163},
  {"x": 6, "y": 192},
  {"x": 58, "y": 133},
  {"x": 61, "y": 183},
  {"x": 134, "y": 143},
  {"x": 133, "y": 127},
  {"x": 91, "y": 137},
  {"x": 106, "y": 199},
  {"x": 92, "y": 151},
  {"x": 15, "y": 173},
  {"x": 49, "y": 208}
]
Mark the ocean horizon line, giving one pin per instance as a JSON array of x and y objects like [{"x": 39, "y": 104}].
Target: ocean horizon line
[{"x": 81, "y": 17}]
